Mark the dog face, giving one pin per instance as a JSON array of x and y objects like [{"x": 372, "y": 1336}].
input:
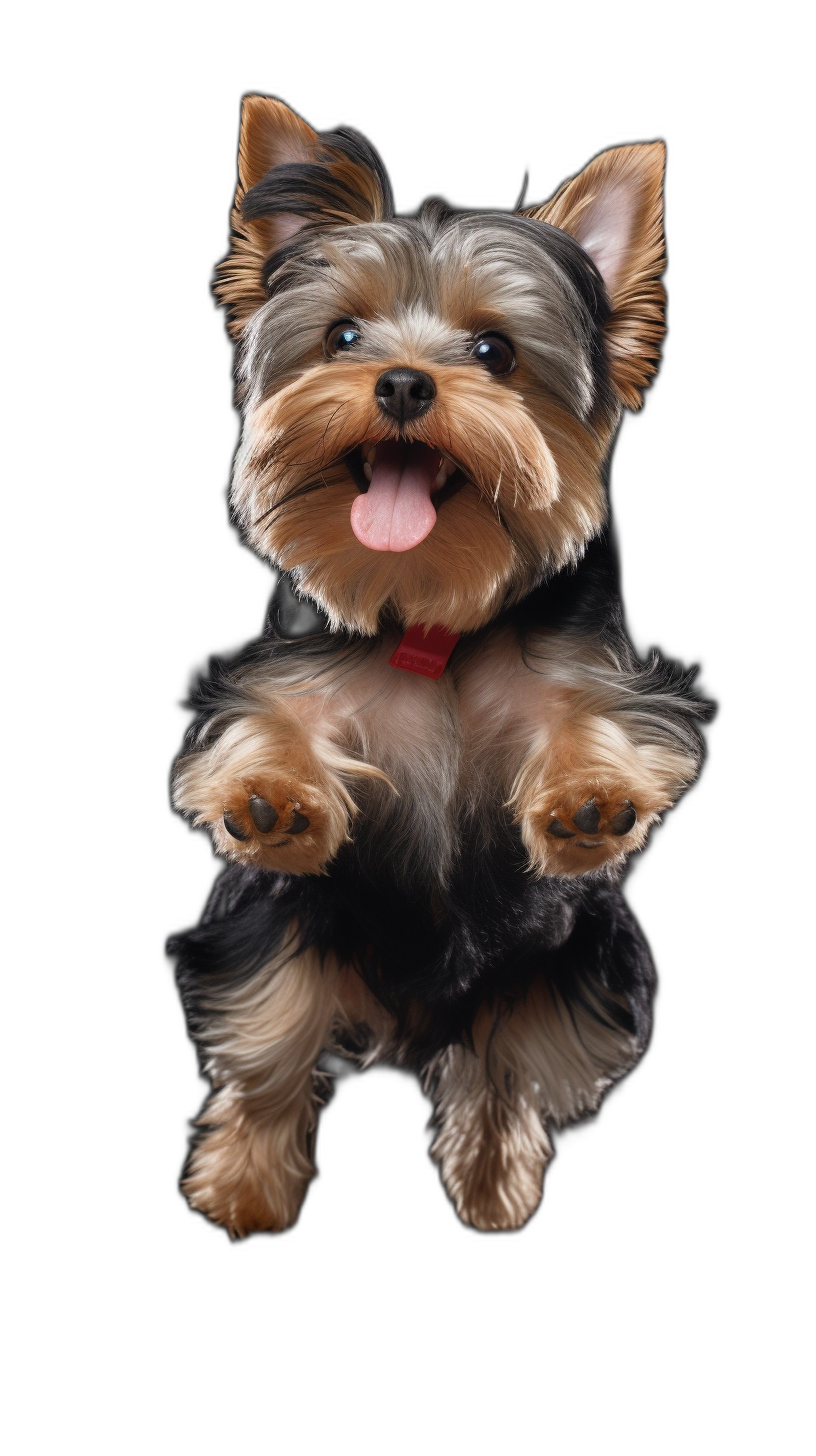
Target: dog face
[{"x": 429, "y": 401}]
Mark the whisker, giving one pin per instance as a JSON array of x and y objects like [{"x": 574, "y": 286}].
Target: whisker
[
  {"x": 291, "y": 496},
  {"x": 342, "y": 405}
]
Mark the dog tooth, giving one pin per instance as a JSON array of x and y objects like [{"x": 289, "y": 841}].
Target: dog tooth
[
  {"x": 441, "y": 477},
  {"x": 367, "y": 470}
]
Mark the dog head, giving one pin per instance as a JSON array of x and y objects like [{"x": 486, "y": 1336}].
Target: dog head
[{"x": 429, "y": 401}]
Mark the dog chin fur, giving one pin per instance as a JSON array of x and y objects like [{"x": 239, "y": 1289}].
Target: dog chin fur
[{"x": 427, "y": 871}]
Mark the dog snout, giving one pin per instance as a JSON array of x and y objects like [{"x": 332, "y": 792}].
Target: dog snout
[{"x": 404, "y": 394}]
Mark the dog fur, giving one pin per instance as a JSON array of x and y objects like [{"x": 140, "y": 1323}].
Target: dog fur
[{"x": 427, "y": 871}]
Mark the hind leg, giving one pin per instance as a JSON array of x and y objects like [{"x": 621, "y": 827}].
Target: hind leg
[
  {"x": 547, "y": 1058},
  {"x": 492, "y": 1146},
  {"x": 251, "y": 1163}
]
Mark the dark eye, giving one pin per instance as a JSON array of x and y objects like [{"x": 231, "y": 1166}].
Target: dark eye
[
  {"x": 495, "y": 352},
  {"x": 341, "y": 337}
]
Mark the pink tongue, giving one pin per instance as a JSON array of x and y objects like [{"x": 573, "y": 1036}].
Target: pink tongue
[{"x": 396, "y": 511}]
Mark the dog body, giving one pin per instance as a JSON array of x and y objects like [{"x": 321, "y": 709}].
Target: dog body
[{"x": 425, "y": 863}]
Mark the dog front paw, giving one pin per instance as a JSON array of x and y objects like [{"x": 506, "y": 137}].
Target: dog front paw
[
  {"x": 278, "y": 823},
  {"x": 285, "y": 819},
  {"x": 586, "y": 831}
]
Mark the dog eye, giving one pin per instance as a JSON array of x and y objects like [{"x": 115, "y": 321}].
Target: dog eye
[
  {"x": 495, "y": 352},
  {"x": 341, "y": 337}
]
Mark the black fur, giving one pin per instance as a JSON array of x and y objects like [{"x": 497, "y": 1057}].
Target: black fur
[
  {"x": 309, "y": 189},
  {"x": 436, "y": 948},
  {"x": 493, "y": 928}
]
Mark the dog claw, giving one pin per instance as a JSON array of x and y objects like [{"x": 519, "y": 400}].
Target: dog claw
[
  {"x": 298, "y": 824},
  {"x": 264, "y": 815},
  {"x": 234, "y": 829},
  {"x": 625, "y": 820},
  {"x": 559, "y": 830},
  {"x": 587, "y": 818}
]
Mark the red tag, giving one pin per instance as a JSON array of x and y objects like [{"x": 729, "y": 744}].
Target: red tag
[{"x": 425, "y": 650}]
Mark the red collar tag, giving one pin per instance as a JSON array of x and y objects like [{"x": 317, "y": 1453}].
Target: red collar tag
[{"x": 425, "y": 650}]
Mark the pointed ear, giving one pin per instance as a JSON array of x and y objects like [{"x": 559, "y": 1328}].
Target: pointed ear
[
  {"x": 614, "y": 209},
  {"x": 271, "y": 135},
  {"x": 290, "y": 177}
]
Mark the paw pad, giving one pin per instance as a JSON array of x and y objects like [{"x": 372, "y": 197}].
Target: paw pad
[
  {"x": 234, "y": 829},
  {"x": 265, "y": 817},
  {"x": 263, "y": 814},
  {"x": 625, "y": 820},
  {"x": 588, "y": 819}
]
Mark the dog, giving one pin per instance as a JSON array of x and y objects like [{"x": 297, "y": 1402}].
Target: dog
[{"x": 429, "y": 773}]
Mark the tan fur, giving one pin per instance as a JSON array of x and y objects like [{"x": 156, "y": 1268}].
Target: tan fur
[
  {"x": 492, "y": 1150},
  {"x": 529, "y": 1064},
  {"x": 251, "y": 1167},
  {"x": 272, "y": 134},
  {"x": 510, "y": 518},
  {"x": 637, "y": 325},
  {"x": 565, "y": 726},
  {"x": 603, "y": 738},
  {"x": 279, "y": 742},
  {"x": 544, "y": 734},
  {"x": 328, "y": 742},
  {"x": 593, "y": 758},
  {"x": 369, "y": 1022},
  {"x": 360, "y": 181}
]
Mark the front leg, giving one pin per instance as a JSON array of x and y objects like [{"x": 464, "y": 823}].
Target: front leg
[
  {"x": 266, "y": 769},
  {"x": 618, "y": 745}
]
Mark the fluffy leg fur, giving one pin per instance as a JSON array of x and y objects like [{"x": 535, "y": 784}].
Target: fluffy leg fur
[
  {"x": 250, "y": 1167},
  {"x": 616, "y": 745},
  {"x": 267, "y": 774},
  {"x": 540, "y": 1062},
  {"x": 491, "y": 1144}
]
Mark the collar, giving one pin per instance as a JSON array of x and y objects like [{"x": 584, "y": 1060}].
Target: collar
[{"x": 425, "y": 650}]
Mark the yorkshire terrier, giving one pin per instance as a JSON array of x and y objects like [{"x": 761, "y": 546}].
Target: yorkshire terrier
[{"x": 430, "y": 771}]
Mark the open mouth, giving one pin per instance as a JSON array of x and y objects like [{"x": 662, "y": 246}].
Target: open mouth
[{"x": 401, "y": 484}]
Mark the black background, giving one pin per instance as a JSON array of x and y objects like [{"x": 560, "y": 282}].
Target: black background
[{"x": 649, "y": 1183}]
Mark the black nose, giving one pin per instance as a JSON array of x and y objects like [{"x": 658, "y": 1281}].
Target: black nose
[{"x": 404, "y": 393}]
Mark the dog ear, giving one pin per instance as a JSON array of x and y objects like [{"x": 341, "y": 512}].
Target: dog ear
[
  {"x": 291, "y": 177},
  {"x": 614, "y": 209},
  {"x": 272, "y": 134}
]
